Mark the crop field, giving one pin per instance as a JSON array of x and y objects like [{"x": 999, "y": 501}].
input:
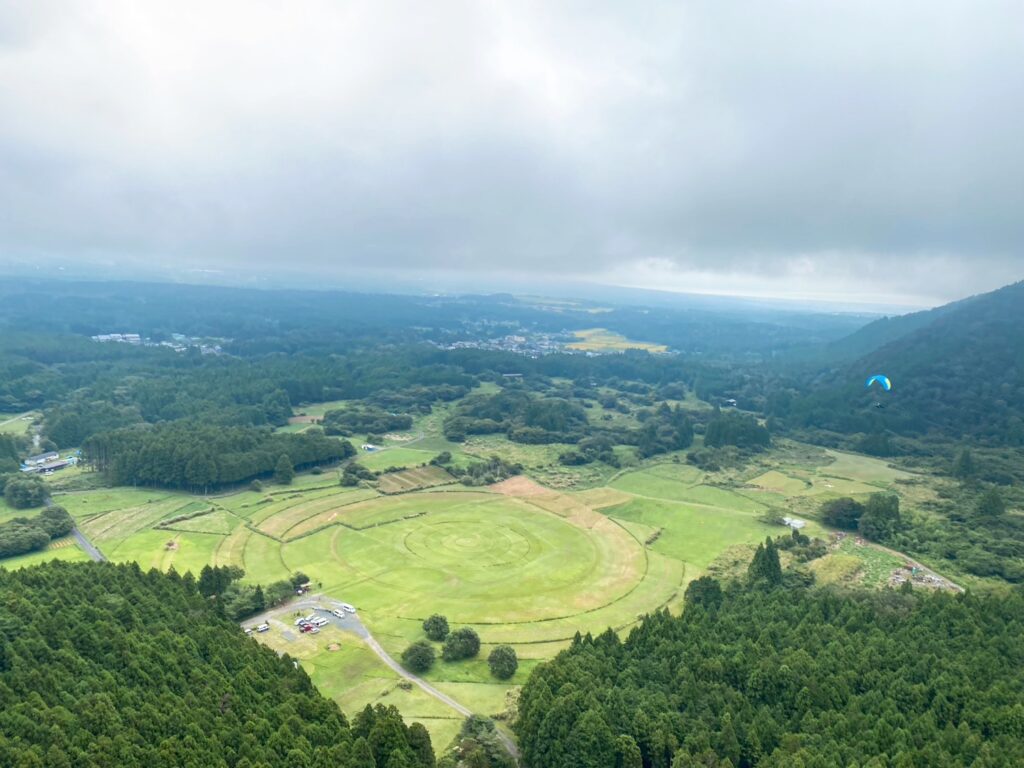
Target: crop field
[
  {"x": 603, "y": 340},
  {"x": 413, "y": 479}
]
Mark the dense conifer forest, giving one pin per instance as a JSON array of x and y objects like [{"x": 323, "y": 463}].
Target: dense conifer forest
[
  {"x": 788, "y": 677},
  {"x": 104, "y": 665}
]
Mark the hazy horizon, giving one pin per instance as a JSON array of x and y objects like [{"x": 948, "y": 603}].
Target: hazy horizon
[{"x": 853, "y": 155}]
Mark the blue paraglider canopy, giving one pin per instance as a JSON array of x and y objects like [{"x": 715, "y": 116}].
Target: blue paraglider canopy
[{"x": 879, "y": 379}]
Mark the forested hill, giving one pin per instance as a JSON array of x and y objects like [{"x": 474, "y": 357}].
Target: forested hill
[
  {"x": 961, "y": 376},
  {"x": 886, "y": 330},
  {"x": 787, "y": 678},
  {"x": 104, "y": 665}
]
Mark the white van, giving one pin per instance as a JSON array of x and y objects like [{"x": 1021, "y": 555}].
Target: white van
[
  {"x": 320, "y": 621},
  {"x": 262, "y": 627},
  {"x": 348, "y": 608}
]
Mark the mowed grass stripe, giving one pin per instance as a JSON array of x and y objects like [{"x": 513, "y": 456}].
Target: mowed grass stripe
[
  {"x": 231, "y": 550},
  {"x": 288, "y": 517},
  {"x": 121, "y": 523}
]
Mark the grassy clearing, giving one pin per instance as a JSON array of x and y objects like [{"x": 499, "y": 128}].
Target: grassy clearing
[
  {"x": 70, "y": 553},
  {"x": 277, "y": 520},
  {"x": 119, "y": 524},
  {"x": 394, "y": 457},
  {"x": 541, "y": 461},
  {"x": 219, "y": 521},
  {"x": 16, "y": 423},
  {"x": 528, "y": 566},
  {"x": 693, "y": 534},
  {"x": 89, "y": 504},
  {"x": 603, "y": 340},
  {"x": 345, "y": 669}
]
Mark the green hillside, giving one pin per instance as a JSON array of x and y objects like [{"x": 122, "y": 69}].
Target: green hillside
[
  {"x": 105, "y": 665},
  {"x": 958, "y": 377}
]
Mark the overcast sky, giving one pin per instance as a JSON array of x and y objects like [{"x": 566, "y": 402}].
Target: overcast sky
[{"x": 865, "y": 151}]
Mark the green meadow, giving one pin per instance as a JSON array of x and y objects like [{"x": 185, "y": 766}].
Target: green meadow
[{"x": 528, "y": 562}]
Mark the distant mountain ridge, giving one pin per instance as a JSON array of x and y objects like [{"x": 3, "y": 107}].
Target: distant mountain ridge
[{"x": 957, "y": 372}]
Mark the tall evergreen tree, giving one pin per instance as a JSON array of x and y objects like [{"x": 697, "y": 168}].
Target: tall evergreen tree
[
  {"x": 964, "y": 467},
  {"x": 991, "y": 503},
  {"x": 284, "y": 471}
]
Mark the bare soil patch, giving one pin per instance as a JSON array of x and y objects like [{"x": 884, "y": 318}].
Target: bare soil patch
[{"x": 520, "y": 486}]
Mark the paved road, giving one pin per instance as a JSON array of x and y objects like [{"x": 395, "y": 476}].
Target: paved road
[
  {"x": 87, "y": 545},
  {"x": 323, "y": 605}
]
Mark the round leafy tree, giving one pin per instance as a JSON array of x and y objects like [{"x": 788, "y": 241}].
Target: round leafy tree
[
  {"x": 503, "y": 662},
  {"x": 436, "y": 627},
  {"x": 461, "y": 644},
  {"x": 418, "y": 657}
]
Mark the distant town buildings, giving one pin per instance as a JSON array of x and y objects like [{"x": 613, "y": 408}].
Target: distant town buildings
[{"x": 179, "y": 342}]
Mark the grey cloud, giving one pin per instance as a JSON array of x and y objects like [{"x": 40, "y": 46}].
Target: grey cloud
[{"x": 839, "y": 146}]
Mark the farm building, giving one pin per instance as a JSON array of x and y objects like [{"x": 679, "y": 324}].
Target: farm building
[
  {"x": 42, "y": 458},
  {"x": 51, "y": 466},
  {"x": 795, "y": 523}
]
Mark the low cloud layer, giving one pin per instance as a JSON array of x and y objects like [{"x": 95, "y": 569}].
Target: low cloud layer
[{"x": 811, "y": 148}]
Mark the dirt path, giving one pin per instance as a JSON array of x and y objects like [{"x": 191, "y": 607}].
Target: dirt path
[{"x": 352, "y": 623}]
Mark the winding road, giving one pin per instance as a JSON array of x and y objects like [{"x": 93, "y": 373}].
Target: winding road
[{"x": 352, "y": 623}]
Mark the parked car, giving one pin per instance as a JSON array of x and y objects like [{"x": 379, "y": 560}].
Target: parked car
[
  {"x": 320, "y": 621},
  {"x": 338, "y": 613},
  {"x": 348, "y": 608},
  {"x": 314, "y": 630},
  {"x": 263, "y": 627},
  {"x": 300, "y": 621},
  {"x": 248, "y": 630},
  {"x": 307, "y": 628}
]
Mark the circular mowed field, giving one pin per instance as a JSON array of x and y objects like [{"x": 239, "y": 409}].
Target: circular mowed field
[{"x": 478, "y": 558}]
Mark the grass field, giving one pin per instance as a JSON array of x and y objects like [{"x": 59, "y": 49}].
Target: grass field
[
  {"x": 523, "y": 563},
  {"x": 394, "y": 457},
  {"x": 16, "y": 423},
  {"x": 61, "y": 549},
  {"x": 603, "y": 340}
]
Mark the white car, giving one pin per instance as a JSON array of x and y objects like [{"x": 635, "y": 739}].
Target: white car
[
  {"x": 248, "y": 630},
  {"x": 348, "y": 608},
  {"x": 263, "y": 628},
  {"x": 314, "y": 630},
  {"x": 338, "y": 613},
  {"x": 299, "y": 622}
]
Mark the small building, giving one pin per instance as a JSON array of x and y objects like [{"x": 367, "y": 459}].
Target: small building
[
  {"x": 731, "y": 402},
  {"x": 511, "y": 375},
  {"x": 42, "y": 458},
  {"x": 795, "y": 523}
]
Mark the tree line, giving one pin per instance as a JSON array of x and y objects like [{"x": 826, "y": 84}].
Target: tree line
[
  {"x": 198, "y": 456},
  {"x": 774, "y": 676},
  {"x": 21, "y": 535}
]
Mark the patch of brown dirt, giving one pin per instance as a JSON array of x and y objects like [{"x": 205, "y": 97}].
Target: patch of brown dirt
[
  {"x": 333, "y": 647},
  {"x": 521, "y": 486}
]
